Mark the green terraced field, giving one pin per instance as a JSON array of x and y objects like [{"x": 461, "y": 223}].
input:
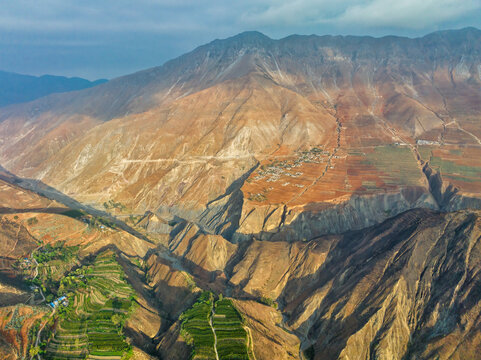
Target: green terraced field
[
  {"x": 92, "y": 323},
  {"x": 227, "y": 324},
  {"x": 231, "y": 336},
  {"x": 196, "y": 327}
]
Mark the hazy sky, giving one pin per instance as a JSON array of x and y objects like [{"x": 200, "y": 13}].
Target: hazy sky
[{"x": 108, "y": 38}]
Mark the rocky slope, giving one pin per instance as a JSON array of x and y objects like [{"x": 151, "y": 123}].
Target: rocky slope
[
  {"x": 405, "y": 289},
  {"x": 326, "y": 184},
  {"x": 254, "y": 135}
]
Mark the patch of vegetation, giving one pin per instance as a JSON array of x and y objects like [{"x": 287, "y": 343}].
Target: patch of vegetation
[
  {"x": 134, "y": 219},
  {"x": 228, "y": 326},
  {"x": 268, "y": 301},
  {"x": 231, "y": 335},
  {"x": 456, "y": 171},
  {"x": 196, "y": 328},
  {"x": 190, "y": 281},
  {"x": 58, "y": 251},
  {"x": 32, "y": 221},
  {"x": 397, "y": 164},
  {"x": 114, "y": 205},
  {"x": 99, "y": 302},
  {"x": 53, "y": 262},
  {"x": 99, "y": 222}
]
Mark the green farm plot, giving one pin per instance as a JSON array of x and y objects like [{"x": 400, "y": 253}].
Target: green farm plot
[
  {"x": 54, "y": 261},
  {"x": 227, "y": 324},
  {"x": 91, "y": 324},
  {"x": 450, "y": 169},
  {"x": 196, "y": 327},
  {"x": 397, "y": 163},
  {"x": 231, "y": 336}
]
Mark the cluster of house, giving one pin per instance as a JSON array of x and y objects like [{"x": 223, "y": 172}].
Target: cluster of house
[
  {"x": 25, "y": 263},
  {"x": 427, "y": 142},
  {"x": 61, "y": 300}
]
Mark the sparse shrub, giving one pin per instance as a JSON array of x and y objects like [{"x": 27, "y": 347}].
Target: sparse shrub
[
  {"x": 268, "y": 301},
  {"x": 32, "y": 221}
]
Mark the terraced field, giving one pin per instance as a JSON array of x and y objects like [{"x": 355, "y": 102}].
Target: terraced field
[
  {"x": 91, "y": 325},
  {"x": 54, "y": 261},
  {"x": 196, "y": 327},
  {"x": 396, "y": 165},
  {"x": 231, "y": 336},
  {"x": 215, "y": 328}
]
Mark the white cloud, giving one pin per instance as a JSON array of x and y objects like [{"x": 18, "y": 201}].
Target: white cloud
[
  {"x": 408, "y": 14},
  {"x": 168, "y": 16},
  {"x": 404, "y": 14}
]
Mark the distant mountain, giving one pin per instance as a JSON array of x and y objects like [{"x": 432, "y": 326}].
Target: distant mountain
[{"x": 18, "y": 88}]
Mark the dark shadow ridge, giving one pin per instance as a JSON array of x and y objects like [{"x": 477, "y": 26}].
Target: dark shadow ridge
[
  {"x": 357, "y": 255},
  {"x": 51, "y": 193}
]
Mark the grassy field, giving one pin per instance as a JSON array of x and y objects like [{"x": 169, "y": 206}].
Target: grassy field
[
  {"x": 227, "y": 324},
  {"x": 92, "y": 323}
]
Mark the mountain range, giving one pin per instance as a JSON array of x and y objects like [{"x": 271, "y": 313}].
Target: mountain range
[
  {"x": 18, "y": 88},
  {"x": 328, "y": 186}
]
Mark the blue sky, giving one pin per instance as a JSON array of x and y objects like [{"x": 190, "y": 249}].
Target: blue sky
[{"x": 109, "y": 38}]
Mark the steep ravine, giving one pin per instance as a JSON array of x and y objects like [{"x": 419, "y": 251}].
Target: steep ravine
[{"x": 403, "y": 289}]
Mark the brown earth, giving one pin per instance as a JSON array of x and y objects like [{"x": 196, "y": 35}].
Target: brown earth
[
  {"x": 323, "y": 174},
  {"x": 316, "y": 125}
]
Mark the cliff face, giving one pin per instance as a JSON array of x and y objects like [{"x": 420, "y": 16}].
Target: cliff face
[{"x": 305, "y": 127}]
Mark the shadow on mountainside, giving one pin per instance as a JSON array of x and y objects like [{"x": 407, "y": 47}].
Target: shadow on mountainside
[
  {"x": 51, "y": 193},
  {"x": 422, "y": 249}
]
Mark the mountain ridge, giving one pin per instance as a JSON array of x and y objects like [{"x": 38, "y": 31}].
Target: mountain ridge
[
  {"x": 20, "y": 88},
  {"x": 326, "y": 187},
  {"x": 326, "y": 106}
]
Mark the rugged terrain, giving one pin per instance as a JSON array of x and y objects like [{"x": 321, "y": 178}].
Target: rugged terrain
[
  {"x": 269, "y": 134},
  {"x": 326, "y": 187},
  {"x": 405, "y": 289}
]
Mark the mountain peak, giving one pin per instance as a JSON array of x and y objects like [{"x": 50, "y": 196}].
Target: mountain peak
[
  {"x": 244, "y": 39},
  {"x": 250, "y": 35}
]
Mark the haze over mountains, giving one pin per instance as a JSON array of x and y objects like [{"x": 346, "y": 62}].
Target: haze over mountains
[
  {"x": 339, "y": 177},
  {"x": 17, "y": 88}
]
